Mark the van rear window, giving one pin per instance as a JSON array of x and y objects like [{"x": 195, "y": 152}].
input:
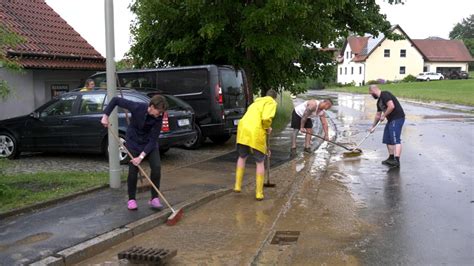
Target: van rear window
[
  {"x": 233, "y": 88},
  {"x": 183, "y": 81}
]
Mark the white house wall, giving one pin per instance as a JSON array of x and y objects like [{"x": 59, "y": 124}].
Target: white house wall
[
  {"x": 388, "y": 68},
  {"x": 348, "y": 71}
]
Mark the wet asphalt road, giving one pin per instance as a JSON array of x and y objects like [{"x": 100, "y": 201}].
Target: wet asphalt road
[
  {"x": 344, "y": 211},
  {"x": 423, "y": 211}
]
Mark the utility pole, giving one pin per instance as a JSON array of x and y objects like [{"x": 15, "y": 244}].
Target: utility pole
[{"x": 114, "y": 163}]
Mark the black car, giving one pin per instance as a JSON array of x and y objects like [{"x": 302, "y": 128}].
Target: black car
[
  {"x": 71, "y": 123},
  {"x": 219, "y": 95}
]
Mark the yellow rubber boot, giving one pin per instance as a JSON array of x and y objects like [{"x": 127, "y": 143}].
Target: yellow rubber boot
[
  {"x": 259, "y": 187},
  {"x": 239, "y": 176}
]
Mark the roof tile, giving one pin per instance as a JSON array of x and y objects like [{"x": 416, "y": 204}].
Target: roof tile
[
  {"x": 46, "y": 33},
  {"x": 439, "y": 50}
]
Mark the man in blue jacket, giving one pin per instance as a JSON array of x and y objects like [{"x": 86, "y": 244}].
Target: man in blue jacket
[{"x": 142, "y": 141}]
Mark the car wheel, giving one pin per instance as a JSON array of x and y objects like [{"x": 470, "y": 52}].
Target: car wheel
[
  {"x": 195, "y": 142},
  {"x": 428, "y": 79},
  {"x": 8, "y": 146},
  {"x": 441, "y": 78},
  {"x": 123, "y": 156},
  {"x": 220, "y": 139}
]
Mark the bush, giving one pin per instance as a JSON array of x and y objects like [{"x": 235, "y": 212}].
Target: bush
[
  {"x": 372, "y": 82},
  {"x": 409, "y": 78}
]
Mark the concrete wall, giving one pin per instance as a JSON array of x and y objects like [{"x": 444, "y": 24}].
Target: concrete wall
[
  {"x": 21, "y": 99},
  {"x": 33, "y": 88},
  {"x": 349, "y": 71},
  {"x": 388, "y": 68}
]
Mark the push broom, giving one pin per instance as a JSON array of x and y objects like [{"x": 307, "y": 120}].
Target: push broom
[
  {"x": 267, "y": 166},
  {"x": 176, "y": 215},
  {"x": 351, "y": 152}
]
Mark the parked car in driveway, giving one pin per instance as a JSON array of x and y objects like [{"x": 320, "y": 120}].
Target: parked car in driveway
[
  {"x": 219, "y": 95},
  {"x": 457, "y": 75},
  {"x": 71, "y": 123},
  {"x": 427, "y": 76}
]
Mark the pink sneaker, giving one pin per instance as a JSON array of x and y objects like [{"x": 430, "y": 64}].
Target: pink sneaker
[
  {"x": 155, "y": 203},
  {"x": 132, "y": 205}
]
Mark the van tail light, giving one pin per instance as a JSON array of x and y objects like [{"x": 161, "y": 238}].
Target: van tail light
[
  {"x": 165, "y": 127},
  {"x": 219, "y": 98}
]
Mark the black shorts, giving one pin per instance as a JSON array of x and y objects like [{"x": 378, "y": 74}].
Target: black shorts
[
  {"x": 244, "y": 151},
  {"x": 296, "y": 121}
]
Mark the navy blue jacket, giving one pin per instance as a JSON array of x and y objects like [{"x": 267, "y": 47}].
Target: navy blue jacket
[{"x": 144, "y": 129}]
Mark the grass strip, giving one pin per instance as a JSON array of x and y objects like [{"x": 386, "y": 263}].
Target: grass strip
[
  {"x": 448, "y": 91},
  {"x": 21, "y": 190}
]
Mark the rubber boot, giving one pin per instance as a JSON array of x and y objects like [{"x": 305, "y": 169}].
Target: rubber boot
[
  {"x": 259, "y": 187},
  {"x": 239, "y": 176}
]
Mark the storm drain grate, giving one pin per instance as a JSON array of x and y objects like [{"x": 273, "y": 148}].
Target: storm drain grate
[
  {"x": 140, "y": 255},
  {"x": 285, "y": 237}
]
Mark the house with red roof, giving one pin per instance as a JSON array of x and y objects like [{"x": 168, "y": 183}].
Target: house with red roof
[
  {"x": 54, "y": 57},
  {"x": 365, "y": 58}
]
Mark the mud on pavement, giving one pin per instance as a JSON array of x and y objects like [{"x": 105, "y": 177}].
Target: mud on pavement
[{"x": 237, "y": 230}]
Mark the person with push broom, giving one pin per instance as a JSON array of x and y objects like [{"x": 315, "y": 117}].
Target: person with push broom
[
  {"x": 141, "y": 142},
  {"x": 301, "y": 121},
  {"x": 389, "y": 107},
  {"x": 252, "y": 133}
]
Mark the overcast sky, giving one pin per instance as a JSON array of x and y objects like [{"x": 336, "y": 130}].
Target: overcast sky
[{"x": 419, "y": 18}]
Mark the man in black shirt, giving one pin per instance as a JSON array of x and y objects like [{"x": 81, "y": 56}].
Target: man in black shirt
[{"x": 389, "y": 107}]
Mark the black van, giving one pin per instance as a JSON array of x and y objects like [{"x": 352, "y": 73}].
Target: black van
[{"x": 219, "y": 95}]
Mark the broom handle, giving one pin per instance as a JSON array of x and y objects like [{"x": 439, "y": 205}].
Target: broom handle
[
  {"x": 143, "y": 171},
  {"x": 332, "y": 142},
  {"x": 362, "y": 141},
  {"x": 267, "y": 171}
]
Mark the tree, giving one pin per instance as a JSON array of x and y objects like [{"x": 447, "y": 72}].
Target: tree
[
  {"x": 276, "y": 42},
  {"x": 465, "y": 31},
  {"x": 7, "y": 39}
]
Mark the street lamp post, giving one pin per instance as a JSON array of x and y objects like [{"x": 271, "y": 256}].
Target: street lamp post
[{"x": 114, "y": 163}]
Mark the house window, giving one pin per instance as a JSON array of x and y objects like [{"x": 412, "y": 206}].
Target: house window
[
  {"x": 403, "y": 53},
  {"x": 352, "y": 70},
  {"x": 386, "y": 53},
  {"x": 402, "y": 70},
  {"x": 347, "y": 55},
  {"x": 425, "y": 69},
  {"x": 345, "y": 71},
  {"x": 58, "y": 89},
  {"x": 360, "y": 70},
  {"x": 340, "y": 71}
]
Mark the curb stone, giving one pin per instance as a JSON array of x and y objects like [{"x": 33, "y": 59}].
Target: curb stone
[
  {"x": 94, "y": 246},
  {"x": 51, "y": 261}
]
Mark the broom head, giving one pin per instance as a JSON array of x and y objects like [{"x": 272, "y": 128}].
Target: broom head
[
  {"x": 353, "y": 153},
  {"x": 175, "y": 217}
]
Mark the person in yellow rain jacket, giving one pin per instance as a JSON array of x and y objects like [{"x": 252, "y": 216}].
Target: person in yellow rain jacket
[{"x": 252, "y": 133}]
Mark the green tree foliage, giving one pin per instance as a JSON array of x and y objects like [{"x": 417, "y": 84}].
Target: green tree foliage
[
  {"x": 7, "y": 39},
  {"x": 465, "y": 31},
  {"x": 275, "y": 41}
]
